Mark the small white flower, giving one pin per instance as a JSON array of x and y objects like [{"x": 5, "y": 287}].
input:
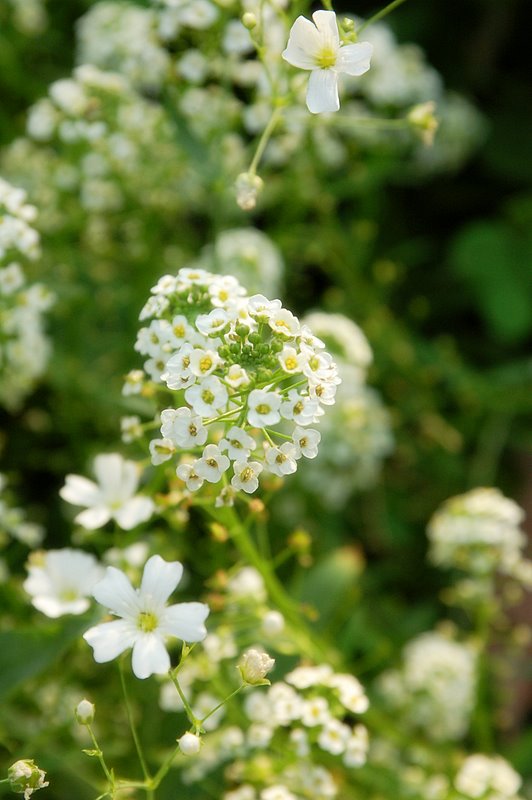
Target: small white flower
[
  {"x": 245, "y": 476},
  {"x": 145, "y": 619},
  {"x": 303, "y": 410},
  {"x": 254, "y": 666},
  {"x": 60, "y": 581},
  {"x": 189, "y": 744},
  {"x": 203, "y": 362},
  {"x": 316, "y": 47},
  {"x": 263, "y": 408},
  {"x": 183, "y": 427},
  {"x": 112, "y": 498},
  {"x": 306, "y": 441},
  {"x": 291, "y": 361},
  {"x": 189, "y": 474},
  {"x": 315, "y": 712},
  {"x": 236, "y": 376},
  {"x": 161, "y": 450},
  {"x": 207, "y": 397},
  {"x": 357, "y": 746},
  {"x": 238, "y": 443},
  {"x": 272, "y": 623},
  {"x": 212, "y": 323},
  {"x": 282, "y": 460},
  {"x": 283, "y": 321},
  {"x": 212, "y": 464},
  {"x": 334, "y": 737}
]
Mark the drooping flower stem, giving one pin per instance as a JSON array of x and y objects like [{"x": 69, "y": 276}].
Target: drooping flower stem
[{"x": 380, "y": 14}]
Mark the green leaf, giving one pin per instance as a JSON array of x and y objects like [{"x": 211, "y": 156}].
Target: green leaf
[{"x": 27, "y": 652}]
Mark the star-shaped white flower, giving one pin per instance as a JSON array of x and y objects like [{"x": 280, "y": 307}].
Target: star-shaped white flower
[
  {"x": 60, "y": 581},
  {"x": 145, "y": 619},
  {"x": 113, "y": 497},
  {"x": 316, "y": 46}
]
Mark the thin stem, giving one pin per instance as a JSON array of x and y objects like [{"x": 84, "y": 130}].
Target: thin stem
[
  {"x": 264, "y": 139},
  {"x": 134, "y": 734},
  {"x": 380, "y": 14},
  {"x": 223, "y": 702},
  {"x": 163, "y": 769},
  {"x": 188, "y": 709},
  {"x": 106, "y": 771}
]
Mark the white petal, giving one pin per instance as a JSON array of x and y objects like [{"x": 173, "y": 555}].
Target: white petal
[
  {"x": 160, "y": 578},
  {"x": 93, "y": 518},
  {"x": 322, "y": 92},
  {"x": 115, "y": 592},
  {"x": 80, "y": 491},
  {"x": 117, "y": 477},
  {"x": 186, "y": 621},
  {"x": 150, "y": 656},
  {"x": 327, "y": 26},
  {"x": 110, "y": 639},
  {"x": 303, "y": 44},
  {"x": 133, "y": 512},
  {"x": 354, "y": 59},
  {"x": 53, "y": 607}
]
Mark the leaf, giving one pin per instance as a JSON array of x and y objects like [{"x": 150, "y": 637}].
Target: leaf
[{"x": 27, "y": 652}]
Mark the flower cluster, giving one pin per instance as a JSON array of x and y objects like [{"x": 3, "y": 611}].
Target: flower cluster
[
  {"x": 434, "y": 689},
  {"x": 302, "y": 717},
  {"x": 24, "y": 348},
  {"x": 249, "y": 380},
  {"x": 479, "y": 532},
  {"x": 487, "y": 777}
]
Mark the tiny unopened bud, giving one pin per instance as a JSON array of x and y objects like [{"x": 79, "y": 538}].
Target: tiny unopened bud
[
  {"x": 248, "y": 187},
  {"x": 254, "y": 666},
  {"x": 189, "y": 744},
  {"x": 348, "y": 24},
  {"x": 272, "y": 623},
  {"x": 423, "y": 119},
  {"x": 85, "y": 712},
  {"x": 249, "y": 20},
  {"x": 25, "y": 777}
]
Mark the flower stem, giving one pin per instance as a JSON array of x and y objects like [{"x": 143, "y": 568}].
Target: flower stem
[
  {"x": 188, "y": 709},
  {"x": 264, "y": 139},
  {"x": 229, "y": 696},
  {"x": 134, "y": 734},
  {"x": 380, "y": 14},
  {"x": 106, "y": 771}
]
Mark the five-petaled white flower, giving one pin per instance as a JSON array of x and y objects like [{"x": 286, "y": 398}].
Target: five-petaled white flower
[
  {"x": 146, "y": 620},
  {"x": 60, "y": 581},
  {"x": 113, "y": 497},
  {"x": 316, "y": 46}
]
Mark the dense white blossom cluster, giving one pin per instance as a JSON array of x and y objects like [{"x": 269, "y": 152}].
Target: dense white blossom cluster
[
  {"x": 24, "y": 348},
  {"x": 487, "y": 777},
  {"x": 249, "y": 379},
  {"x": 435, "y": 686},
  {"x": 479, "y": 532}
]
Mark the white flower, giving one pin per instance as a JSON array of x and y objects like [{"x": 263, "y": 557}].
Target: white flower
[
  {"x": 189, "y": 744},
  {"x": 317, "y": 47},
  {"x": 60, "y": 581},
  {"x": 203, "y": 362},
  {"x": 238, "y": 443},
  {"x": 189, "y": 474},
  {"x": 306, "y": 441},
  {"x": 212, "y": 323},
  {"x": 282, "y": 460},
  {"x": 145, "y": 619},
  {"x": 315, "y": 712},
  {"x": 112, "y": 498},
  {"x": 212, "y": 464},
  {"x": 263, "y": 408},
  {"x": 161, "y": 450},
  {"x": 245, "y": 476},
  {"x": 183, "y": 427},
  {"x": 254, "y": 666},
  {"x": 334, "y": 737},
  {"x": 207, "y": 397}
]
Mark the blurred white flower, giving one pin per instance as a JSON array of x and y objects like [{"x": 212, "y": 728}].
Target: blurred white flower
[
  {"x": 60, "y": 581},
  {"x": 145, "y": 619},
  {"x": 113, "y": 497},
  {"x": 316, "y": 47}
]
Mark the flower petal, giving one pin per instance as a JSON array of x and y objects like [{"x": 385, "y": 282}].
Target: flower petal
[
  {"x": 80, "y": 491},
  {"x": 304, "y": 43},
  {"x": 322, "y": 92},
  {"x": 354, "y": 59},
  {"x": 325, "y": 22},
  {"x": 115, "y": 592},
  {"x": 110, "y": 639},
  {"x": 185, "y": 620},
  {"x": 150, "y": 656},
  {"x": 133, "y": 512},
  {"x": 93, "y": 518},
  {"x": 160, "y": 578},
  {"x": 117, "y": 477}
]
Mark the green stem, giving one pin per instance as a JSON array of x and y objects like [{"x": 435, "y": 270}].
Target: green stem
[
  {"x": 380, "y": 14},
  {"x": 481, "y": 729},
  {"x": 163, "y": 769},
  {"x": 229, "y": 696},
  {"x": 264, "y": 139},
  {"x": 188, "y": 709},
  {"x": 134, "y": 734},
  {"x": 106, "y": 771}
]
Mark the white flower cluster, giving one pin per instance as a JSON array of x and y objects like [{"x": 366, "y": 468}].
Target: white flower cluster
[
  {"x": 302, "y": 717},
  {"x": 435, "y": 687},
  {"x": 250, "y": 381},
  {"x": 24, "y": 348},
  {"x": 13, "y": 522},
  {"x": 479, "y": 532},
  {"x": 122, "y": 37},
  {"x": 487, "y": 777}
]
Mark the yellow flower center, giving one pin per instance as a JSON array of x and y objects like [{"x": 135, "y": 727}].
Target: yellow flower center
[
  {"x": 263, "y": 408},
  {"x": 205, "y": 363},
  {"x": 207, "y": 397},
  {"x": 147, "y": 621},
  {"x": 291, "y": 362},
  {"x": 326, "y": 57}
]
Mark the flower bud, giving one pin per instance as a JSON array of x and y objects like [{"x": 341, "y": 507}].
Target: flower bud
[
  {"x": 85, "y": 712},
  {"x": 25, "y": 777},
  {"x": 189, "y": 744},
  {"x": 249, "y": 20},
  {"x": 272, "y": 623},
  {"x": 254, "y": 666},
  {"x": 248, "y": 186},
  {"x": 423, "y": 119}
]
